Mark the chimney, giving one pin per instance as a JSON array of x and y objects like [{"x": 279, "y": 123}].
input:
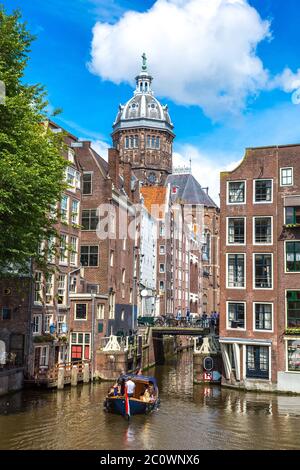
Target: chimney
[
  {"x": 127, "y": 173},
  {"x": 113, "y": 166}
]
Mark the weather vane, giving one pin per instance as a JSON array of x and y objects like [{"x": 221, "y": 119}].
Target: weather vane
[{"x": 144, "y": 66}]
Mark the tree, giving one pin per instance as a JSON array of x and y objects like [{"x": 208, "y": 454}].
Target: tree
[{"x": 31, "y": 163}]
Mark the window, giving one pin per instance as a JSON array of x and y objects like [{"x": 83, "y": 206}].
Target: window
[
  {"x": 63, "y": 256},
  {"x": 236, "y": 271},
  {"x": 161, "y": 268},
  {"x": 123, "y": 276},
  {"x": 263, "y": 191},
  {"x": 89, "y": 219},
  {"x": 73, "y": 284},
  {"x": 61, "y": 291},
  {"x": 51, "y": 249},
  {"x": 236, "y": 231},
  {"x": 61, "y": 324},
  {"x": 293, "y": 309},
  {"x": 6, "y": 313},
  {"x": 292, "y": 256},
  {"x": 257, "y": 362},
  {"x": 49, "y": 288},
  {"x": 263, "y": 230},
  {"x": 292, "y": 215},
  {"x": 131, "y": 141},
  {"x": 111, "y": 313},
  {"x": 87, "y": 183},
  {"x": 89, "y": 255},
  {"x": 122, "y": 314},
  {"x": 286, "y": 176},
  {"x": 75, "y": 211},
  {"x": 124, "y": 243},
  {"x": 161, "y": 230},
  {"x": 263, "y": 316},
  {"x": 130, "y": 295},
  {"x": 263, "y": 271},
  {"x": 38, "y": 293},
  {"x": 81, "y": 312},
  {"x": 161, "y": 286},
  {"x": 162, "y": 249},
  {"x": 71, "y": 155},
  {"x": 111, "y": 258},
  {"x": 64, "y": 208},
  {"x": 100, "y": 312},
  {"x": 80, "y": 346},
  {"x": 73, "y": 254},
  {"x": 48, "y": 322},
  {"x": 44, "y": 356},
  {"x": 153, "y": 142},
  {"x": 37, "y": 325},
  {"x": 293, "y": 355},
  {"x": 73, "y": 178},
  {"x": 236, "y": 315},
  {"x": 236, "y": 192}
]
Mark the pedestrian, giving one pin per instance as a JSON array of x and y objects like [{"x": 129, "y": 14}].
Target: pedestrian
[{"x": 130, "y": 386}]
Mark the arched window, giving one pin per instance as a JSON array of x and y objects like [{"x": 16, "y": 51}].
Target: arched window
[
  {"x": 148, "y": 141},
  {"x": 126, "y": 142},
  {"x": 153, "y": 142},
  {"x": 131, "y": 141},
  {"x": 136, "y": 141},
  {"x": 157, "y": 142}
]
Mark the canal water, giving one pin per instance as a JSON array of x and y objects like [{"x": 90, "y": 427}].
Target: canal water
[{"x": 190, "y": 417}]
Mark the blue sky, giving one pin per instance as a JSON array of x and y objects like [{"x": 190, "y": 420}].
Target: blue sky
[{"x": 235, "y": 96}]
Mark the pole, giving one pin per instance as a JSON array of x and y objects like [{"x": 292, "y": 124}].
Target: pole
[{"x": 93, "y": 336}]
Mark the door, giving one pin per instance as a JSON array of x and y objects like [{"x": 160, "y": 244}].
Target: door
[{"x": 257, "y": 362}]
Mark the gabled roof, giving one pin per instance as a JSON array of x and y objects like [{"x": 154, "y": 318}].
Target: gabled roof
[
  {"x": 154, "y": 196},
  {"x": 189, "y": 190}
]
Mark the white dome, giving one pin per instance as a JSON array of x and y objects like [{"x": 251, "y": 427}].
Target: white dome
[{"x": 143, "y": 109}]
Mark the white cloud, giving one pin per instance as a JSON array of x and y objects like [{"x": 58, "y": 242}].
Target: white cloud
[
  {"x": 201, "y": 52},
  {"x": 205, "y": 168},
  {"x": 288, "y": 81},
  {"x": 101, "y": 148}
]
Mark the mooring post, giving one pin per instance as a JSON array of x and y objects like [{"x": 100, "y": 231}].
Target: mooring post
[
  {"x": 60, "y": 378},
  {"x": 74, "y": 376}
]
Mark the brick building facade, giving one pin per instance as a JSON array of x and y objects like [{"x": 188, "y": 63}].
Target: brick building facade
[{"x": 260, "y": 253}]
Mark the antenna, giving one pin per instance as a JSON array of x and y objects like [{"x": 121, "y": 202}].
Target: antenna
[{"x": 191, "y": 165}]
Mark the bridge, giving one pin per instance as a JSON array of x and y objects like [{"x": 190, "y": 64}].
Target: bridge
[{"x": 180, "y": 330}]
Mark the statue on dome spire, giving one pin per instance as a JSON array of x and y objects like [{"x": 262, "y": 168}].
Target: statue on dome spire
[{"x": 144, "y": 66}]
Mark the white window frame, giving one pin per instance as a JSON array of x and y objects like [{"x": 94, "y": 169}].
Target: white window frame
[
  {"x": 286, "y": 168},
  {"x": 59, "y": 280},
  {"x": 75, "y": 215},
  {"x": 285, "y": 270},
  {"x": 66, "y": 213},
  {"x": 51, "y": 293},
  {"x": 75, "y": 311},
  {"x": 71, "y": 155},
  {"x": 164, "y": 268},
  {"x": 227, "y": 314},
  {"x": 286, "y": 303},
  {"x": 74, "y": 254},
  {"x": 253, "y": 271},
  {"x": 272, "y": 316},
  {"x": 59, "y": 322},
  {"x": 39, "y": 317},
  {"x": 227, "y": 231},
  {"x": 45, "y": 356},
  {"x": 253, "y": 230},
  {"x": 290, "y": 338},
  {"x": 227, "y": 193},
  {"x": 272, "y": 191},
  {"x": 100, "y": 311},
  {"x": 162, "y": 252},
  {"x": 245, "y": 271},
  {"x": 50, "y": 318},
  {"x": 63, "y": 260},
  {"x": 40, "y": 291}
]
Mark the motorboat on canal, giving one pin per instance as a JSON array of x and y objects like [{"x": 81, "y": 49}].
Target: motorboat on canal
[{"x": 138, "y": 404}]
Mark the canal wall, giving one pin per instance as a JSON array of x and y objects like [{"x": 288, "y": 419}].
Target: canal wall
[{"x": 11, "y": 380}]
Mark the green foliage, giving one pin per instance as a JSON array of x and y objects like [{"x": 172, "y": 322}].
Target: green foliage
[{"x": 31, "y": 165}]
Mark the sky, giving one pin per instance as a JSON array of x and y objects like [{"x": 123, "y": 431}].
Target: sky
[{"x": 229, "y": 70}]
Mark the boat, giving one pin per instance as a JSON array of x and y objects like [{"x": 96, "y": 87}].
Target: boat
[{"x": 117, "y": 404}]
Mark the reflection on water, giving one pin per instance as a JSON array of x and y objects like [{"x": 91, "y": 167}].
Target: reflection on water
[{"x": 190, "y": 417}]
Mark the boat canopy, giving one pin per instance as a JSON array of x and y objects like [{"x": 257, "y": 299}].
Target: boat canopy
[{"x": 141, "y": 378}]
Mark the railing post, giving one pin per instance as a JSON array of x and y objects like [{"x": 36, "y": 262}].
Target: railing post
[
  {"x": 60, "y": 378},
  {"x": 74, "y": 376},
  {"x": 86, "y": 373}
]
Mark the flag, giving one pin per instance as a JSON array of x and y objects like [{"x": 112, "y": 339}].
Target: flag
[{"x": 127, "y": 405}]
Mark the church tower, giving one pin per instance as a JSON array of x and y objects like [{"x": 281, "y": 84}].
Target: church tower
[{"x": 143, "y": 133}]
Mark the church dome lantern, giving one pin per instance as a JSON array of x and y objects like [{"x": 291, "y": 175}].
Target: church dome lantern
[{"x": 143, "y": 109}]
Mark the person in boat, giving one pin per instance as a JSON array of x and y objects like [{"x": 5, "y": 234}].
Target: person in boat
[
  {"x": 114, "y": 390},
  {"x": 130, "y": 386},
  {"x": 122, "y": 386}
]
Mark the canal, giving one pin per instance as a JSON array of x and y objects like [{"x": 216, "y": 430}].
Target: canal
[{"x": 190, "y": 417}]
